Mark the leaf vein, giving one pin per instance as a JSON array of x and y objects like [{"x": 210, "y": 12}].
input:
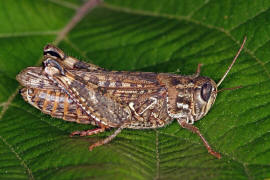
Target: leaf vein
[
  {"x": 157, "y": 156},
  {"x": 222, "y": 30},
  {"x": 23, "y": 34},
  {"x": 65, "y": 4},
  {"x": 28, "y": 170},
  {"x": 197, "y": 9}
]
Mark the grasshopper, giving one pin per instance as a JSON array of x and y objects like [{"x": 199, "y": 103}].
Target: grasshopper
[{"x": 85, "y": 93}]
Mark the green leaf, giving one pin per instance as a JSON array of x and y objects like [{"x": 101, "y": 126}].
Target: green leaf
[{"x": 158, "y": 36}]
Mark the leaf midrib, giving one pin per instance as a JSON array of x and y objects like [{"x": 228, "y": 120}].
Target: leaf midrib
[{"x": 188, "y": 18}]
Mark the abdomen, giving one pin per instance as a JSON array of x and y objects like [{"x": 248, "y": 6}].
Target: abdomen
[{"x": 57, "y": 104}]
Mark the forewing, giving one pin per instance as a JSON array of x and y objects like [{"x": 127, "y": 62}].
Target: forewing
[
  {"x": 124, "y": 87},
  {"x": 95, "y": 102}
]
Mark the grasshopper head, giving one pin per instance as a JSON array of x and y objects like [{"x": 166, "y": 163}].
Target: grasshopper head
[
  {"x": 204, "y": 96},
  {"x": 194, "y": 99}
]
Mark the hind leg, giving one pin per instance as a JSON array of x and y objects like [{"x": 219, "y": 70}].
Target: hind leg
[{"x": 106, "y": 140}]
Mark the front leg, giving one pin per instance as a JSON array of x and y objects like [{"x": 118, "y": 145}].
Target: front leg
[
  {"x": 198, "y": 71},
  {"x": 195, "y": 130}
]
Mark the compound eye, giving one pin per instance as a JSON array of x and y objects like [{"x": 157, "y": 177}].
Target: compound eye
[{"x": 206, "y": 91}]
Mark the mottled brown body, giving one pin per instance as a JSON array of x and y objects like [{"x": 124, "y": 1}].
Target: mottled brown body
[
  {"x": 85, "y": 93},
  {"x": 139, "y": 94}
]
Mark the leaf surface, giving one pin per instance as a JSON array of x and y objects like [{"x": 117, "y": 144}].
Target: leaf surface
[{"x": 157, "y": 36}]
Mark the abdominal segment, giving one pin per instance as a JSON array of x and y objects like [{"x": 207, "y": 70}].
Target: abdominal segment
[{"x": 56, "y": 103}]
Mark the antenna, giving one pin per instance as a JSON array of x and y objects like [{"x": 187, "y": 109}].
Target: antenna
[{"x": 228, "y": 70}]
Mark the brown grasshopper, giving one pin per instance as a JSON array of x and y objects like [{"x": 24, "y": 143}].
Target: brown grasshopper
[{"x": 85, "y": 93}]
